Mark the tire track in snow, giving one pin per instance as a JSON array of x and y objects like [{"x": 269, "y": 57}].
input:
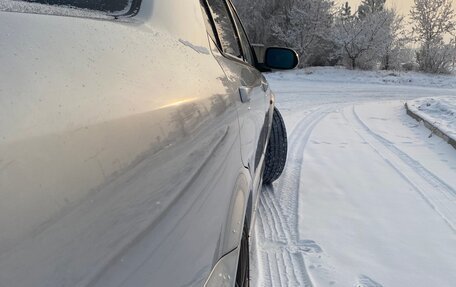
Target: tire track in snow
[
  {"x": 436, "y": 193},
  {"x": 277, "y": 219},
  {"x": 427, "y": 174},
  {"x": 279, "y": 235}
]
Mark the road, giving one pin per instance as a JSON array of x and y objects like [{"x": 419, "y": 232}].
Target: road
[{"x": 367, "y": 198}]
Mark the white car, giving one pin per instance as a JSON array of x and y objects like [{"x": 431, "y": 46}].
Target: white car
[{"x": 134, "y": 139}]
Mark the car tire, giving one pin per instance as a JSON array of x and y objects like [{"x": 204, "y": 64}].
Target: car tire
[
  {"x": 276, "y": 152},
  {"x": 243, "y": 270}
]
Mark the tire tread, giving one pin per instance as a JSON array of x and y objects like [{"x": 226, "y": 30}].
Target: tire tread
[{"x": 276, "y": 152}]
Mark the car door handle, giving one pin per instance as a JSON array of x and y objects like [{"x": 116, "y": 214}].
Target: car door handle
[{"x": 245, "y": 94}]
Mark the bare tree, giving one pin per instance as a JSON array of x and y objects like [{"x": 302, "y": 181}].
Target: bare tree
[
  {"x": 395, "y": 52},
  {"x": 322, "y": 36},
  {"x": 436, "y": 57},
  {"x": 307, "y": 27},
  {"x": 368, "y": 7},
  {"x": 251, "y": 13},
  {"x": 346, "y": 12},
  {"x": 363, "y": 40},
  {"x": 432, "y": 20},
  {"x": 304, "y": 25},
  {"x": 258, "y": 16}
]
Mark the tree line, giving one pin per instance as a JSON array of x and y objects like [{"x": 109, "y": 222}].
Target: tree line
[{"x": 370, "y": 36}]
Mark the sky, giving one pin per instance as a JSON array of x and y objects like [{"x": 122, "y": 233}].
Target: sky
[{"x": 403, "y": 6}]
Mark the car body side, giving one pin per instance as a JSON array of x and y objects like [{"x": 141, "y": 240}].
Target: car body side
[{"x": 121, "y": 150}]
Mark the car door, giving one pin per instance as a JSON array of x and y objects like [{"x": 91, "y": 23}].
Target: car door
[
  {"x": 238, "y": 62},
  {"x": 119, "y": 150}
]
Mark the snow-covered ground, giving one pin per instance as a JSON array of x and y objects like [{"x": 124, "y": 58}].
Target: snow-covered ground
[
  {"x": 340, "y": 74},
  {"x": 367, "y": 198},
  {"x": 440, "y": 111}
]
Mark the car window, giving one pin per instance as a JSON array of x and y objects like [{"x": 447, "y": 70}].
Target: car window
[
  {"x": 246, "y": 49},
  {"x": 108, "y": 6},
  {"x": 225, "y": 28},
  {"x": 209, "y": 24}
]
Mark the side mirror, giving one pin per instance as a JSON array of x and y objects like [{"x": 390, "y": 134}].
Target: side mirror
[{"x": 280, "y": 58}]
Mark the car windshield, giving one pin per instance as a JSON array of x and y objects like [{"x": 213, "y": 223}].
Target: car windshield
[{"x": 54, "y": 6}]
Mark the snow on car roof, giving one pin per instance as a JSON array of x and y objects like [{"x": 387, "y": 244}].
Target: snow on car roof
[{"x": 61, "y": 10}]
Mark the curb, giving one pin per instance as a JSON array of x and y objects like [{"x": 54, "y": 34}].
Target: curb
[{"x": 435, "y": 130}]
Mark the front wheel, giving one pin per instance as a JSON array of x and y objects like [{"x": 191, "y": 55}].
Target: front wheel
[{"x": 276, "y": 153}]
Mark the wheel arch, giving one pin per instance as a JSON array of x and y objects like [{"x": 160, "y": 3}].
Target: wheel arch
[{"x": 240, "y": 212}]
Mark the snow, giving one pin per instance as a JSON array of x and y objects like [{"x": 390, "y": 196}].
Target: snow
[
  {"x": 439, "y": 111},
  {"x": 342, "y": 75},
  {"x": 198, "y": 49},
  {"x": 36, "y": 8},
  {"x": 367, "y": 198}
]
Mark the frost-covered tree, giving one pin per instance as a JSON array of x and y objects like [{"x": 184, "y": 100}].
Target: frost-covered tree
[
  {"x": 374, "y": 37},
  {"x": 307, "y": 27},
  {"x": 369, "y": 7},
  {"x": 432, "y": 20},
  {"x": 304, "y": 25},
  {"x": 437, "y": 57},
  {"x": 346, "y": 12},
  {"x": 321, "y": 35},
  {"x": 363, "y": 40},
  {"x": 252, "y": 14},
  {"x": 258, "y": 17},
  {"x": 395, "y": 52}
]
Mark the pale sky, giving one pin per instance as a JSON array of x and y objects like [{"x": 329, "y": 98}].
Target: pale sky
[{"x": 403, "y": 6}]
